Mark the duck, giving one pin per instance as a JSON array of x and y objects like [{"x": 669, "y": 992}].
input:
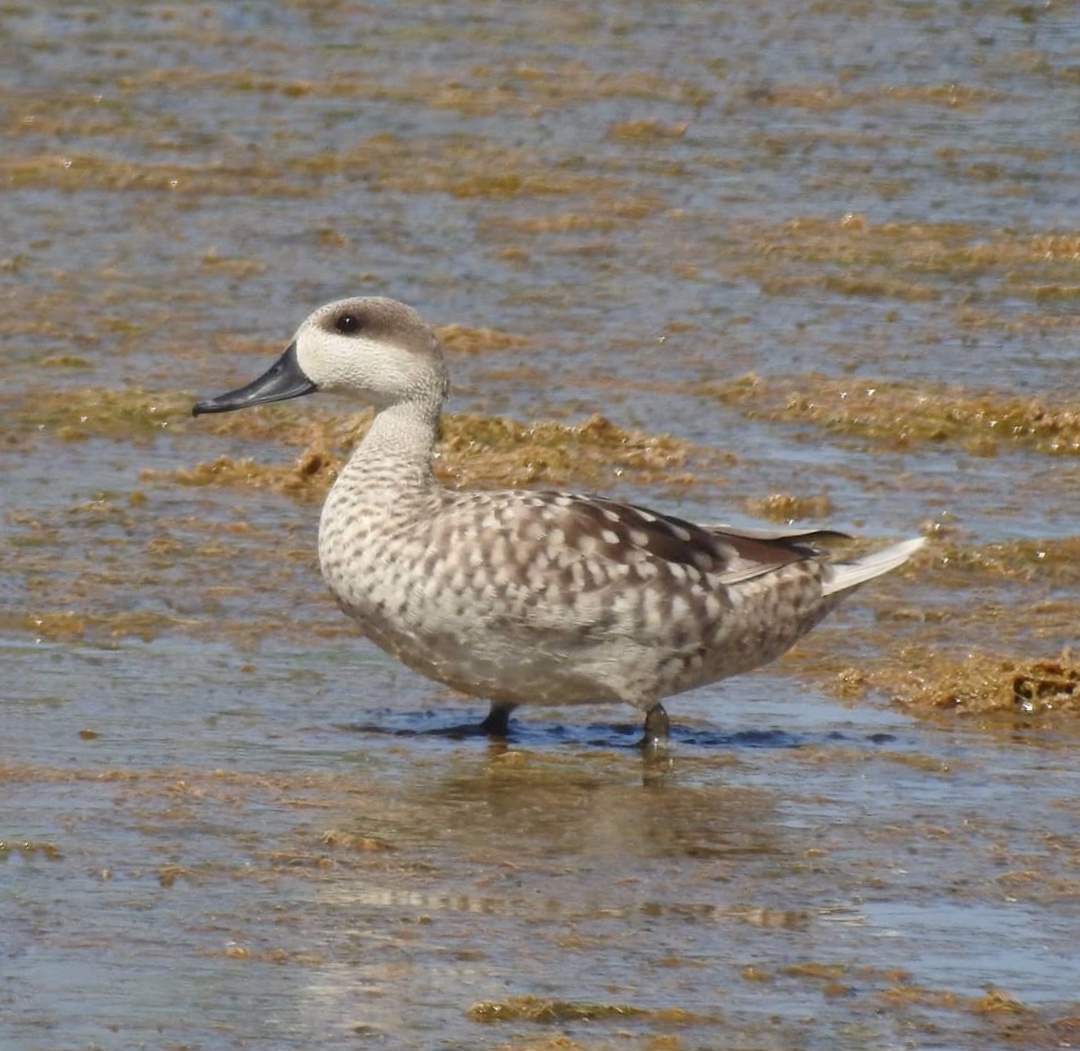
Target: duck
[{"x": 522, "y": 596}]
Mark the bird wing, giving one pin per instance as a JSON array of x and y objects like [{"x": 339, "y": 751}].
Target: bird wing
[{"x": 727, "y": 554}]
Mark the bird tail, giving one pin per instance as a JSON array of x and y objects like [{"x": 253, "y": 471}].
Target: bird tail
[{"x": 848, "y": 575}]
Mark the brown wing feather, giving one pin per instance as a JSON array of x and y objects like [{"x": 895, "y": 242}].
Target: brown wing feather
[{"x": 722, "y": 551}]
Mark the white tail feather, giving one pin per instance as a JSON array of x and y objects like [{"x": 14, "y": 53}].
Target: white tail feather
[{"x": 847, "y": 575}]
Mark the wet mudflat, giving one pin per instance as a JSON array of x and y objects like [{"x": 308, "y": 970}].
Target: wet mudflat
[{"x": 816, "y": 263}]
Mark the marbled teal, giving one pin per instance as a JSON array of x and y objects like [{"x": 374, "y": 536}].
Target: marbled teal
[{"x": 532, "y": 597}]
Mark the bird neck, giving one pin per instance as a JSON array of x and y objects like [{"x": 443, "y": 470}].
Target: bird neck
[{"x": 396, "y": 451}]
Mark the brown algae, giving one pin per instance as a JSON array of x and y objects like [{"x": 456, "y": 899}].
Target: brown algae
[
  {"x": 474, "y": 450},
  {"x": 957, "y": 262},
  {"x": 903, "y": 414},
  {"x": 1018, "y": 690},
  {"x": 538, "y": 1009}
]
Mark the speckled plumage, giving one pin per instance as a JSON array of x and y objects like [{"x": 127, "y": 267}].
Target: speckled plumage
[{"x": 523, "y": 596}]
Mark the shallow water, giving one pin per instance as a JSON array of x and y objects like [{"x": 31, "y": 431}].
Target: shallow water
[
  {"x": 229, "y": 823},
  {"x": 233, "y": 866}
]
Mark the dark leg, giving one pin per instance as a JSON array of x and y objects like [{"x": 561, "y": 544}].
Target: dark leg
[
  {"x": 657, "y": 725},
  {"x": 497, "y": 723}
]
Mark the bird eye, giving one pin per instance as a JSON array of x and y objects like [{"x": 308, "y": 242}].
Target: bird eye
[{"x": 347, "y": 323}]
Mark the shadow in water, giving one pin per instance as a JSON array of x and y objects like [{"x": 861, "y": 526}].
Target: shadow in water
[{"x": 434, "y": 725}]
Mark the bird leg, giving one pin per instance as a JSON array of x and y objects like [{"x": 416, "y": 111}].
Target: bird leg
[
  {"x": 497, "y": 723},
  {"x": 657, "y": 726}
]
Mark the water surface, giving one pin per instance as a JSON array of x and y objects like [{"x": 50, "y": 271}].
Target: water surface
[{"x": 230, "y": 823}]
